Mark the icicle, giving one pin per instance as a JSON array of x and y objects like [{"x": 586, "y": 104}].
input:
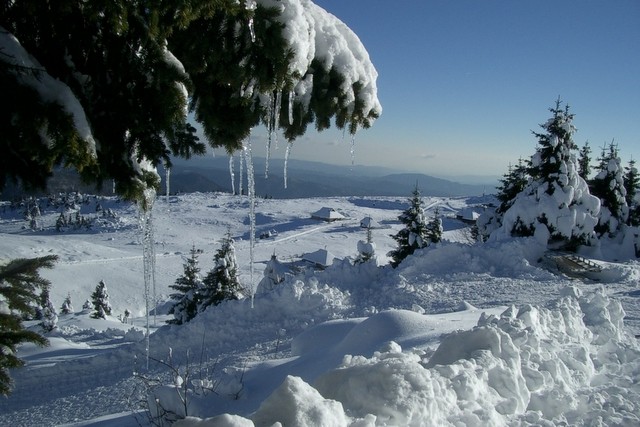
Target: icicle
[
  {"x": 276, "y": 114},
  {"x": 291, "y": 95},
  {"x": 353, "y": 149},
  {"x": 240, "y": 175},
  {"x": 286, "y": 162},
  {"x": 251, "y": 5},
  {"x": 148, "y": 254},
  {"x": 232, "y": 173},
  {"x": 167, "y": 179},
  {"x": 252, "y": 212},
  {"x": 270, "y": 113}
]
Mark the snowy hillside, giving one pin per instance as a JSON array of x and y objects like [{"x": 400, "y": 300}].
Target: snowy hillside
[{"x": 458, "y": 334}]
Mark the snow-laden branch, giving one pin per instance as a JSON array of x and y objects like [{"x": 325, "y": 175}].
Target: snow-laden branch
[{"x": 48, "y": 88}]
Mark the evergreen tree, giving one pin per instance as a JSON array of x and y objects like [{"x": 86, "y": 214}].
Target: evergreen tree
[
  {"x": 87, "y": 305},
  {"x": 274, "y": 274},
  {"x": 584, "y": 162},
  {"x": 49, "y": 319},
  {"x": 434, "y": 228},
  {"x": 19, "y": 283},
  {"x": 120, "y": 78},
  {"x": 366, "y": 249},
  {"x": 414, "y": 234},
  {"x": 632, "y": 186},
  {"x": 511, "y": 184},
  {"x": 187, "y": 287},
  {"x": 67, "y": 307},
  {"x": 221, "y": 283},
  {"x": 608, "y": 186},
  {"x": 556, "y": 205},
  {"x": 100, "y": 301}
]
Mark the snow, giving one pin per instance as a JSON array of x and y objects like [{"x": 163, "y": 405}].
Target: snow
[
  {"x": 458, "y": 334},
  {"x": 312, "y": 33}
]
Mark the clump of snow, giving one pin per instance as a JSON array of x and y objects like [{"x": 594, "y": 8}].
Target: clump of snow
[{"x": 312, "y": 33}]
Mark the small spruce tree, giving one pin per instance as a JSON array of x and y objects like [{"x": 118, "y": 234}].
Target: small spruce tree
[
  {"x": 608, "y": 186},
  {"x": 49, "y": 320},
  {"x": 100, "y": 300},
  {"x": 584, "y": 162},
  {"x": 19, "y": 283},
  {"x": 434, "y": 228},
  {"x": 366, "y": 249},
  {"x": 632, "y": 186},
  {"x": 414, "y": 234},
  {"x": 512, "y": 183},
  {"x": 187, "y": 287},
  {"x": 67, "y": 307},
  {"x": 221, "y": 283}
]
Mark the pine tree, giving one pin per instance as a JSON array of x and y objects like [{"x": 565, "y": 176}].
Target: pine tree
[
  {"x": 274, "y": 274},
  {"x": 221, "y": 283},
  {"x": 608, "y": 186},
  {"x": 49, "y": 320},
  {"x": 100, "y": 301},
  {"x": 366, "y": 249},
  {"x": 19, "y": 283},
  {"x": 414, "y": 234},
  {"x": 67, "y": 307},
  {"x": 512, "y": 183},
  {"x": 188, "y": 287},
  {"x": 125, "y": 74},
  {"x": 632, "y": 186},
  {"x": 555, "y": 205},
  {"x": 584, "y": 162},
  {"x": 434, "y": 228}
]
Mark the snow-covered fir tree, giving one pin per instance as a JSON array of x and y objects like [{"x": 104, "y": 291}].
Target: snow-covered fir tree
[
  {"x": 632, "y": 186},
  {"x": 511, "y": 184},
  {"x": 366, "y": 249},
  {"x": 67, "y": 306},
  {"x": 274, "y": 273},
  {"x": 608, "y": 186},
  {"x": 555, "y": 206},
  {"x": 49, "y": 319},
  {"x": 100, "y": 301},
  {"x": 584, "y": 162},
  {"x": 87, "y": 305},
  {"x": 221, "y": 282},
  {"x": 187, "y": 287},
  {"x": 414, "y": 234},
  {"x": 19, "y": 283},
  {"x": 434, "y": 227}
]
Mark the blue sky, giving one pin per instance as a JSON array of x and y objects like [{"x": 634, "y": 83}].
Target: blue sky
[{"x": 463, "y": 83}]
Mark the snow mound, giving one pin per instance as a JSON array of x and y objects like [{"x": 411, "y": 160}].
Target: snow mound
[
  {"x": 529, "y": 366},
  {"x": 532, "y": 366}
]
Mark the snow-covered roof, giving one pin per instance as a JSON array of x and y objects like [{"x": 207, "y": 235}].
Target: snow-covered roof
[
  {"x": 368, "y": 222},
  {"x": 327, "y": 214},
  {"x": 321, "y": 257},
  {"x": 469, "y": 214}
]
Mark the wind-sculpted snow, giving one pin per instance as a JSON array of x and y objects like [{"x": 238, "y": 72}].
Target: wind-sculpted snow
[{"x": 560, "y": 364}]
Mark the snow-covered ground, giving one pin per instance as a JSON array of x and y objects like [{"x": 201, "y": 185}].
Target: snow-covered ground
[{"x": 458, "y": 334}]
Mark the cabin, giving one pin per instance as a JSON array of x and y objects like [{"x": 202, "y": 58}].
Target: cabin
[
  {"x": 328, "y": 214},
  {"x": 320, "y": 258},
  {"x": 469, "y": 215}
]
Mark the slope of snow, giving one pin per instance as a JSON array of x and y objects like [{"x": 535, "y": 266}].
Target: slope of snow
[{"x": 458, "y": 334}]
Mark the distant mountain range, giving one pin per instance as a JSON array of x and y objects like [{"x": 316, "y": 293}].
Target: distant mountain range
[
  {"x": 313, "y": 179},
  {"x": 304, "y": 179}
]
